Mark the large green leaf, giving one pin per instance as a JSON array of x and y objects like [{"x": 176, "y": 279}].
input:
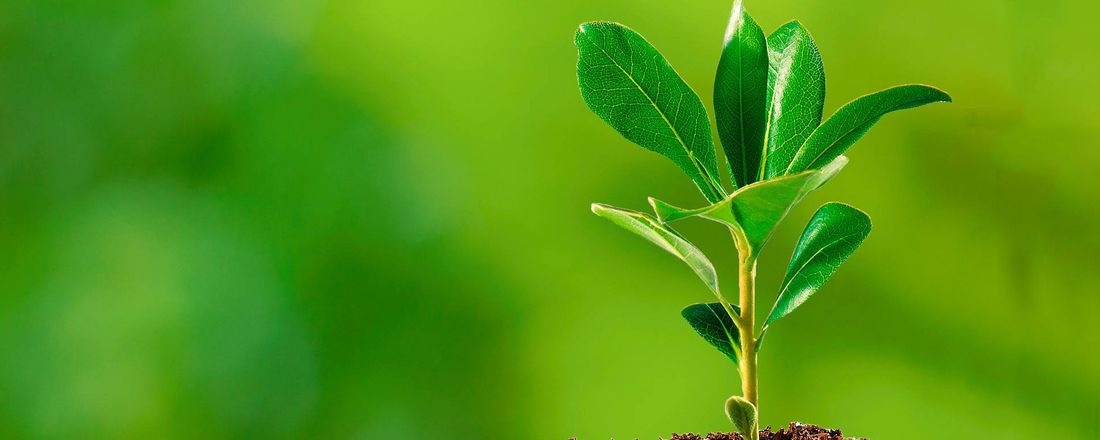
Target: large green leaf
[
  {"x": 853, "y": 120},
  {"x": 833, "y": 234},
  {"x": 663, "y": 236},
  {"x": 756, "y": 209},
  {"x": 628, "y": 84},
  {"x": 713, "y": 323},
  {"x": 740, "y": 96},
  {"x": 796, "y": 85}
]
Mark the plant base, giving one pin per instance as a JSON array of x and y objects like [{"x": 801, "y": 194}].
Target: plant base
[{"x": 796, "y": 431}]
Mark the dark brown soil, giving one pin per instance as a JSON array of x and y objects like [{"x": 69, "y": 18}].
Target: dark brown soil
[{"x": 796, "y": 431}]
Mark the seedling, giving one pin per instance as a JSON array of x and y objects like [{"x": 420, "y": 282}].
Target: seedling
[{"x": 768, "y": 98}]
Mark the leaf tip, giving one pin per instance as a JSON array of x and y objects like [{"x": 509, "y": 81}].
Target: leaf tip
[
  {"x": 686, "y": 311},
  {"x": 794, "y": 24},
  {"x": 657, "y": 206},
  {"x": 940, "y": 94},
  {"x": 589, "y": 25},
  {"x": 662, "y": 210},
  {"x": 743, "y": 415},
  {"x": 735, "y": 20},
  {"x": 848, "y": 211},
  {"x": 583, "y": 28}
]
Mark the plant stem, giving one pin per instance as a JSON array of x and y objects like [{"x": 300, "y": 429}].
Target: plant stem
[
  {"x": 747, "y": 278},
  {"x": 746, "y": 323}
]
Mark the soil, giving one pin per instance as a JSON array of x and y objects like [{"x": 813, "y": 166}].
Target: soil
[{"x": 796, "y": 431}]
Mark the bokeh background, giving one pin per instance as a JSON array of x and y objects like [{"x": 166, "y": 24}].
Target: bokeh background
[{"x": 369, "y": 219}]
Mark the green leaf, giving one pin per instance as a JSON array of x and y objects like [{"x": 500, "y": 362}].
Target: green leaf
[
  {"x": 740, "y": 96},
  {"x": 662, "y": 236},
  {"x": 743, "y": 415},
  {"x": 628, "y": 84},
  {"x": 796, "y": 85},
  {"x": 713, "y": 323},
  {"x": 756, "y": 209},
  {"x": 853, "y": 120},
  {"x": 833, "y": 234}
]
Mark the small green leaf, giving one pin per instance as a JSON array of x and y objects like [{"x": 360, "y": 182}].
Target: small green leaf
[
  {"x": 743, "y": 415},
  {"x": 662, "y": 236},
  {"x": 853, "y": 120},
  {"x": 756, "y": 209},
  {"x": 628, "y": 84},
  {"x": 835, "y": 231},
  {"x": 740, "y": 96},
  {"x": 713, "y": 323},
  {"x": 796, "y": 94}
]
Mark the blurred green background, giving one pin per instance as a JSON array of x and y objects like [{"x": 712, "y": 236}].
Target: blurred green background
[{"x": 369, "y": 219}]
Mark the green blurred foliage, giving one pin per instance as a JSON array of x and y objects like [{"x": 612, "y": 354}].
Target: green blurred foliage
[{"x": 348, "y": 219}]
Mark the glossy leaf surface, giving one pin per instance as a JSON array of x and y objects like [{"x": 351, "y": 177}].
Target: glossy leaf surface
[
  {"x": 740, "y": 96},
  {"x": 663, "y": 236},
  {"x": 853, "y": 120},
  {"x": 756, "y": 209},
  {"x": 628, "y": 84},
  {"x": 713, "y": 323},
  {"x": 742, "y": 414},
  {"x": 834, "y": 232},
  {"x": 796, "y": 84}
]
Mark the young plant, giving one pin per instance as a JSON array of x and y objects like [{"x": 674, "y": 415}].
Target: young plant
[{"x": 768, "y": 98}]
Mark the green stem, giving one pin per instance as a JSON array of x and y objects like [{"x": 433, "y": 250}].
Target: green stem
[
  {"x": 746, "y": 323},
  {"x": 747, "y": 278}
]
